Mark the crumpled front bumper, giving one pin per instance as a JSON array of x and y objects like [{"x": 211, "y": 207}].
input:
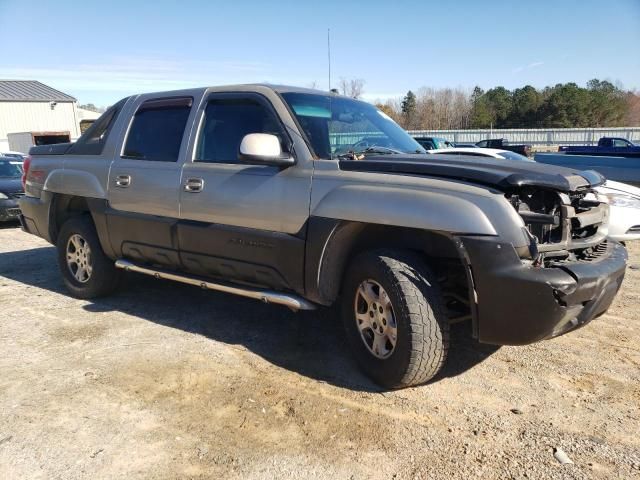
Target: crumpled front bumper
[{"x": 518, "y": 304}]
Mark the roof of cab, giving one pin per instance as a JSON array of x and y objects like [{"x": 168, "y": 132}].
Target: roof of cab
[{"x": 244, "y": 87}]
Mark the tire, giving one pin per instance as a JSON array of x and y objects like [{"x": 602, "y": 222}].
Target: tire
[
  {"x": 101, "y": 276},
  {"x": 421, "y": 327}
]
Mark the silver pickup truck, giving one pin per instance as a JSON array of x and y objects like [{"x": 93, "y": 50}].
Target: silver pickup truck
[{"x": 305, "y": 199}]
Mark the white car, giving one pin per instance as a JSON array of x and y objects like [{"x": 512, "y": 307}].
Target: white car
[
  {"x": 624, "y": 200},
  {"x": 624, "y": 210}
]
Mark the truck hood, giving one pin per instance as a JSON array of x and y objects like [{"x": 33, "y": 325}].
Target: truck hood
[
  {"x": 494, "y": 172},
  {"x": 10, "y": 185}
]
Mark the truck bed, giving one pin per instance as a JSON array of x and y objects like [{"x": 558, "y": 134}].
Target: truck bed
[
  {"x": 631, "y": 152},
  {"x": 621, "y": 169}
]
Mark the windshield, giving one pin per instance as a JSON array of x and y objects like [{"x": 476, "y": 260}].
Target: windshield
[
  {"x": 514, "y": 156},
  {"x": 336, "y": 126},
  {"x": 9, "y": 170}
]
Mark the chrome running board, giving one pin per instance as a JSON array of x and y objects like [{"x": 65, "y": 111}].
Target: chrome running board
[{"x": 294, "y": 302}]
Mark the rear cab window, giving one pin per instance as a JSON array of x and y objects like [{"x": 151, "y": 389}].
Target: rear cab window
[
  {"x": 157, "y": 129},
  {"x": 92, "y": 141}
]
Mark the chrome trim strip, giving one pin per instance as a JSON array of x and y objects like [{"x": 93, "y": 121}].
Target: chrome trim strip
[{"x": 288, "y": 300}]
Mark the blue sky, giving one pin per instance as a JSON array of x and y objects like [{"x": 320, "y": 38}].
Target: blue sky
[{"x": 103, "y": 51}]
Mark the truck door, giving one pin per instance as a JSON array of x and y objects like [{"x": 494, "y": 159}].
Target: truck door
[
  {"x": 240, "y": 221},
  {"x": 144, "y": 181}
]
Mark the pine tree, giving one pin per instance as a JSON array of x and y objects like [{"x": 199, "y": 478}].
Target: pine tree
[{"x": 409, "y": 107}]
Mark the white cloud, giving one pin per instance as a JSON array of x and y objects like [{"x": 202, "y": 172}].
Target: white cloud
[
  {"x": 119, "y": 76},
  {"x": 527, "y": 67}
]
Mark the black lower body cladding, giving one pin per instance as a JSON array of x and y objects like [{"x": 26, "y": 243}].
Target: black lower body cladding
[
  {"x": 34, "y": 217},
  {"x": 519, "y": 304}
]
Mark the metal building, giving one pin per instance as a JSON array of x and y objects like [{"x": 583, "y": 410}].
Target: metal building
[{"x": 31, "y": 106}]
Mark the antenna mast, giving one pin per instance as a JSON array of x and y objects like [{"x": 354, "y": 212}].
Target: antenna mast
[{"x": 329, "y": 54}]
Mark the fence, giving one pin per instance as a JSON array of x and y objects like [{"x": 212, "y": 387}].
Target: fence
[
  {"x": 534, "y": 136},
  {"x": 338, "y": 140}
]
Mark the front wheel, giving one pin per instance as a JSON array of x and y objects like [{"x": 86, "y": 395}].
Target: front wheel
[
  {"x": 394, "y": 318},
  {"x": 86, "y": 271}
]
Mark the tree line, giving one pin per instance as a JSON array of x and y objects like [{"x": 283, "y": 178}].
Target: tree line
[{"x": 565, "y": 105}]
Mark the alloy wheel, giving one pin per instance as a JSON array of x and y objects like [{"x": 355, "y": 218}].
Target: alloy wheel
[
  {"x": 79, "y": 258},
  {"x": 375, "y": 319}
]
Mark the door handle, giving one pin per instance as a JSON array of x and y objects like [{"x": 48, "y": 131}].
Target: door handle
[
  {"x": 123, "y": 181},
  {"x": 194, "y": 185}
]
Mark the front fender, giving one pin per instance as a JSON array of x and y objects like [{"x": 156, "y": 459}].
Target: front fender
[
  {"x": 405, "y": 207},
  {"x": 74, "y": 182}
]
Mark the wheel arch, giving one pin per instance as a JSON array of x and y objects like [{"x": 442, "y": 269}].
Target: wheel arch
[
  {"x": 333, "y": 243},
  {"x": 81, "y": 183},
  {"x": 64, "y": 206},
  {"x": 405, "y": 207}
]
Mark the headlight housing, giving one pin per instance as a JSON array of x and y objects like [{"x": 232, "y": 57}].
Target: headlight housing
[
  {"x": 3, "y": 196},
  {"x": 627, "y": 201}
]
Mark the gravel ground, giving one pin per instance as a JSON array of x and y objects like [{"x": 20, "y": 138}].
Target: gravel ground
[{"x": 167, "y": 381}]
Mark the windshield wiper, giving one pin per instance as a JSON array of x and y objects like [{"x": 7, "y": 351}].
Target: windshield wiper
[{"x": 375, "y": 149}]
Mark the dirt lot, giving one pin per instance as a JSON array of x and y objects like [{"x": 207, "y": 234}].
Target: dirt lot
[{"x": 168, "y": 381}]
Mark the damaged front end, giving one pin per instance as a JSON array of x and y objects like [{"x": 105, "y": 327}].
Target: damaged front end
[
  {"x": 561, "y": 226},
  {"x": 567, "y": 274}
]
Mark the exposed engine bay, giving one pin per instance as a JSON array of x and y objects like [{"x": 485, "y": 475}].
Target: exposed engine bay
[{"x": 562, "y": 226}]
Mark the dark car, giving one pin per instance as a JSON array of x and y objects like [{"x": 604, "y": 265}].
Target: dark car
[
  {"x": 503, "y": 144},
  {"x": 433, "y": 143},
  {"x": 10, "y": 189}
]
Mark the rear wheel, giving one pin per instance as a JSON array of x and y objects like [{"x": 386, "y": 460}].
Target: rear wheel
[
  {"x": 86, "y": 271},
  {"x": 394, "y": 319}
]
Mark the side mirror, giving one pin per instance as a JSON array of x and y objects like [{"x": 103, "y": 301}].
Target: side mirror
[{"x": 263, "y": 149}]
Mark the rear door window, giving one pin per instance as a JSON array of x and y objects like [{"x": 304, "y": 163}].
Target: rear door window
[{"x": 157, "y": 129}]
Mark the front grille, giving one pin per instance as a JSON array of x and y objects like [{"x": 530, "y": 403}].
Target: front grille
[
  {"x": 634, "y": 229},
  {"x": 15, "y": 195},
  {"x": 593, "y": 253},
  {"x": 561, "y": 225}
]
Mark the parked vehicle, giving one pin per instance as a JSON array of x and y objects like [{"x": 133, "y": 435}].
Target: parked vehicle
[
  {"x": 482, "y": 152},
  {"x": 10, "y": 189},
  {"x": 624, "y": 208},
  {"x": 238, "y": 189},
  {"x": 607, "y": 146},
  {"x": 464, "y": 145},
  {"x": 503, "y": 144},
  {"x": 16, "y": 156},
  {"x": 618, "y": 168},
  {"x": 429, "y": 143},
  {"x": 623, "y": 199}
]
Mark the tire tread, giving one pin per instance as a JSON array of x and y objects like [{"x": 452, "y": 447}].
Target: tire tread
[{"x": 412, "y": 280}]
